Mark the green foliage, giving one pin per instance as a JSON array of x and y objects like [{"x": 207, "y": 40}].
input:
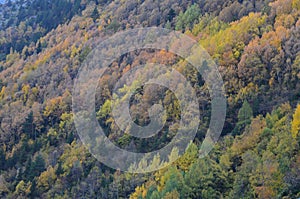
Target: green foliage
[
  {"x": 84, "y": 53},
  {"x": 174, "y": 182},
  {"x": 42, "y": 45},
  {"x": 155, "y": 195},
  {"x": 244, "y": 118},
  {"x": 188, "y": 18},
  {"x": 113, "y": 26},
  {"x": 245, "y": 113},
  {"x": 256, "y": 164},
  {"x": 34, "y": 168},
  {"x": 105, "y": 110},
  {"x": 34, "y": 19},
  {"x": 188, "y": 158},
  {"x": 209, "y": 26},
  {"x": 205, "y": 179}
]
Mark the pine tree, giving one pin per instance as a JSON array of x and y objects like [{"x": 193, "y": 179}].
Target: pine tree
[
  {"x": 95, "y": 14},
  {"x": 28, "y": 126},
  {"x": 245, "y": 113},
  {"x": 59, "y": 169},
  {"x": 28, "y": 170},
  {"x": 155, "y": 195},
  {"x": 244, "y": 118},
  {"x": 2, "y": 159},
  {"x": 38, "y": 166}
]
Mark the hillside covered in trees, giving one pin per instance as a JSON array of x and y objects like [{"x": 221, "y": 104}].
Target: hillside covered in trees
[{"x": 256, "y": 45}]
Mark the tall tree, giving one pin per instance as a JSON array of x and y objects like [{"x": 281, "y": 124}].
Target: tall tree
[
  {"x": 244, "y": 118},
  {"x": 296, "y": 122}
]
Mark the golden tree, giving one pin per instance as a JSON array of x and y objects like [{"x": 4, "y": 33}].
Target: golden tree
[{"x": 296, "y": 122}]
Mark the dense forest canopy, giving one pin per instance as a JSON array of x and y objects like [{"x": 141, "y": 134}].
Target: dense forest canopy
[{"x": 256, "y": 46}]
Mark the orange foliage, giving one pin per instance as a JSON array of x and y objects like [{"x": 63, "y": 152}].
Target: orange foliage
[{"x": 250, "y": 138}]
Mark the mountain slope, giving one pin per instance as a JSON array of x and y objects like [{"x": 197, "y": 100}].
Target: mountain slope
[{"x": 256, "y": 46}]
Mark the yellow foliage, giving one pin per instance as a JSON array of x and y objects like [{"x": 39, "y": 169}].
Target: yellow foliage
[
  {"x": 45, "y": 56},
  {"x": 23, "y": 189},
  {"x": 285, "y": 20},
  {"x": 65, "y": 117},
  {"x": 272, "y": 38},
  {"x": 2, "y": 93},
  {"x": 250, "y": 90},
  {"x": 47, "y": 178},
  {"x": 139, "y": 191},
  {"x": 296, "y": 122},
  {"x": 25, "y": 90},
  {"x": 74, "y": 51},
  {"x": 296, "y": 4},
  {"x": 265, "y": 192},
  {"x": 35, "y": 91},
  {"x": 52, "y": 106},
  {"x": 66, "y": 69},
  {"x": 233, "y": 35},
  {"x": 73, "y": 153}
]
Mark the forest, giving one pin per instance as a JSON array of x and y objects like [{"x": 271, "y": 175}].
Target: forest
[{"x": 256, "y": 46}]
